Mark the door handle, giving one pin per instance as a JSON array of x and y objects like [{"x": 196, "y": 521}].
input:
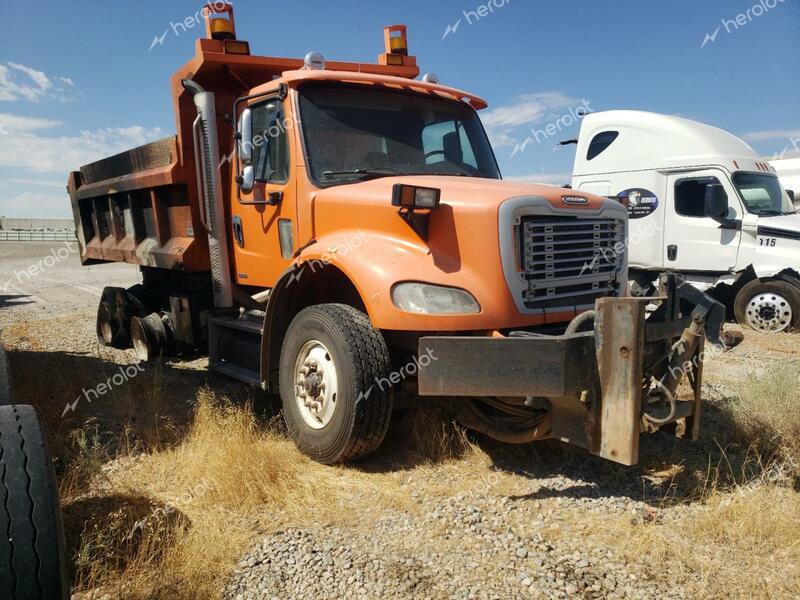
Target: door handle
[
  {"x": 672, "y": 252},
  {"x": 274, "y": 198},
  {"x": 238, "y": 230}
]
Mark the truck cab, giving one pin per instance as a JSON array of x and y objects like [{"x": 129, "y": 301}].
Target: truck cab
[
  {"x": 701, "y": 203},
  {"x": 339, "y": 234}
]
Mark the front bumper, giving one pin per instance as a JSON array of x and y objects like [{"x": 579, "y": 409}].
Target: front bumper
[{"x": 592, "y": 382}]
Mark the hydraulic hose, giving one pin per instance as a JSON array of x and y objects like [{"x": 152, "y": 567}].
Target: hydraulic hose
[{"x": 576, "y": 323}]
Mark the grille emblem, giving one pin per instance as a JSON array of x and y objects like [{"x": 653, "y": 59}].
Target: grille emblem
[{"x": 575, "y": 200}]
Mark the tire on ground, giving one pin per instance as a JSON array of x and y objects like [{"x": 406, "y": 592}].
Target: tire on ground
[
  {"x": 31, "y": 532},
  {"x": 768, "y": 286},
  {"x": 113, "y": 322},
  {"x": 363, "y": 408}
]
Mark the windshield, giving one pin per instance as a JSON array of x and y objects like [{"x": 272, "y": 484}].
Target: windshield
[
  {"x": 354, "y": 134},
  {"x": 763, "y": 194}
]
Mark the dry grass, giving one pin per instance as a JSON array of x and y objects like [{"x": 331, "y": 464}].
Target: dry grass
[
  {"x": 740, "y": 544},
  {"x": 206, "y": 499},
  {"x": 738, "y": 536},
  {"x": 767, "y": 411}
]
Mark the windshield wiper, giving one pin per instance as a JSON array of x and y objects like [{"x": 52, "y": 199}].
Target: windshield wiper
[
  {"x": 774, "y": 213},
  {"x": 364, "y": 174}
]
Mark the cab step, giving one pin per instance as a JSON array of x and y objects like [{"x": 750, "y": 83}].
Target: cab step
[{"x": 234, "y": 348}]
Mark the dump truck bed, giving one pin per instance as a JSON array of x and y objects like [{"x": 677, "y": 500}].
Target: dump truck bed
[{"x": 140, "y": 207}]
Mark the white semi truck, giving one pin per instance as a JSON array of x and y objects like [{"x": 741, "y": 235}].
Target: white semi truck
[
  {"x": 788, "y": 171},
  {"x": 701, "y": 203}
]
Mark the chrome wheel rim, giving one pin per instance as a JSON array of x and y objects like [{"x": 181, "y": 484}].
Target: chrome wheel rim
[
  {"x": 316, "y": 386},
  {"x": 769, "y": 313}
]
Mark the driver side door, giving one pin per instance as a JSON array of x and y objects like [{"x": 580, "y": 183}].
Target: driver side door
[
  {"x": 263, "y": 213},
  {"x": 693, "y": 241}
]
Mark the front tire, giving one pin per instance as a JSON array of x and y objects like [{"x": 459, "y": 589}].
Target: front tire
[
  {"x": 334, "y": 383},
  {"x": 768, "y": 306}
]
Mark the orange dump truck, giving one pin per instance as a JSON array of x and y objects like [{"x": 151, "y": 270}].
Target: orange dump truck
[{"x": 339, "y": 233}]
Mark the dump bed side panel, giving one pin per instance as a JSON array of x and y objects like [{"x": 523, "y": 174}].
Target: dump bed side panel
[{"x": 140, "y": 207}]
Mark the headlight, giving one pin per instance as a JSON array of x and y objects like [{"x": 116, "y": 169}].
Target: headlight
[{"x": 433, "y": 299}]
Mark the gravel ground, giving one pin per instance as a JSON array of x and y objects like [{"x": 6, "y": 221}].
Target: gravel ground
[{"x": 462, "y": 547}]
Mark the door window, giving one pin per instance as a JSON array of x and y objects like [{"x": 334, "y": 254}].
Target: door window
[
  {"x": 270, "y": 143},
  {"x": 690, "y": 196}
]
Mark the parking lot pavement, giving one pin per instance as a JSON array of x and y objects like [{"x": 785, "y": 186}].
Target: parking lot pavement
[{"x": 37, "y": 277}]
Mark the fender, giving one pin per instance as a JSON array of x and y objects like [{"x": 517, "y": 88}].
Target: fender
[{"x": 269, "y": 343}]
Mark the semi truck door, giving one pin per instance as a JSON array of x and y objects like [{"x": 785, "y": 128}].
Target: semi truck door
[
  {"x": 264, "y": 218},
  {"x": 693, "y": 241}
]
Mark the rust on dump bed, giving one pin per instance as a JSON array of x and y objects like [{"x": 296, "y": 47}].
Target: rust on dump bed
[{"x": 135, "y": 207}]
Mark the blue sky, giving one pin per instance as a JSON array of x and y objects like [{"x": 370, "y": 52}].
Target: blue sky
[{"x": 80, "y": 80}]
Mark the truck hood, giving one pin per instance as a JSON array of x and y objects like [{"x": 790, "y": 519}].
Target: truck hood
[
  {"x": 464, "y": 193},
  {"x": 790, "y": 224},
  {"x": 466, "y": 243}
]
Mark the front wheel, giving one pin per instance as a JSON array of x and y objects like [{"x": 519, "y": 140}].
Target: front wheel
[
  {"x": 768, "y": 306},
  {"x": 334, "y": 383}
]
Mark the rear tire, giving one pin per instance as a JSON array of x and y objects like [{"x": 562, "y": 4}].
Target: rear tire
[
  {"x": 768, "y": 306},
  {"x": 31, "y": 532},
  {"x": 116, "y": 310},
  {"x": 332, "y": 371}
]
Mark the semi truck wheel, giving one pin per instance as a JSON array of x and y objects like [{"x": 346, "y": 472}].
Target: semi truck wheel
[
  {"x": 768, "y": 306},
  {"x": 334, "y": 383},
  {"x": 32, "y": 540}
]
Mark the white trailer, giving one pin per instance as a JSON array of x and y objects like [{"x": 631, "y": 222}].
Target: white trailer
[{"x": 701, "y": 203}]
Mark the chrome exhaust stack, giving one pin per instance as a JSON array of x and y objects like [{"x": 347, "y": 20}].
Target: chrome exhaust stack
[{"x": 209, "y": 187}]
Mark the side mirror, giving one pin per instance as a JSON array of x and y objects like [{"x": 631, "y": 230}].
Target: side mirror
[
  {"x": 716, "y": 201},
  {"x": 247, "y": 179},
  {"x": 245, "y": 137},
  {"x": 795, "y": 198}
]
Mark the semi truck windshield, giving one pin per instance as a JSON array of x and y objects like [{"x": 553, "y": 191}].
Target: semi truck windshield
[
  {"x": 762, "y": 194},
  {"x": 352, "y": 133}
]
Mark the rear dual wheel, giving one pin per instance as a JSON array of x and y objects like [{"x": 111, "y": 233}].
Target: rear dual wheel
[
  {"x": 768, "y": 306},
  {"x": 117, "y": 308}
]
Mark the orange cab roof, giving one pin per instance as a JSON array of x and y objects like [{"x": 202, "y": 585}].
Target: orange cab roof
[{"x": 294, "y": 78}]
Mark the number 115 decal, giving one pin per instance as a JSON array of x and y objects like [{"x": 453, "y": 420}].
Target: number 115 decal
[{"x": 767, "y": 241}]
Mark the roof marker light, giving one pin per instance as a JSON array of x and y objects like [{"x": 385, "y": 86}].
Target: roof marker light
[
  {"x": 314, "y": 61},
  {"x": 430, "y": 78}
]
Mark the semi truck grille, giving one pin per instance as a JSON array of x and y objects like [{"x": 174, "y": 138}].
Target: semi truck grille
[{"x": 567, "y": 261}]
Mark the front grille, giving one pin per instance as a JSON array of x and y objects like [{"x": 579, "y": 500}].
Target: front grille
[{"x": 567, "y": 261}]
